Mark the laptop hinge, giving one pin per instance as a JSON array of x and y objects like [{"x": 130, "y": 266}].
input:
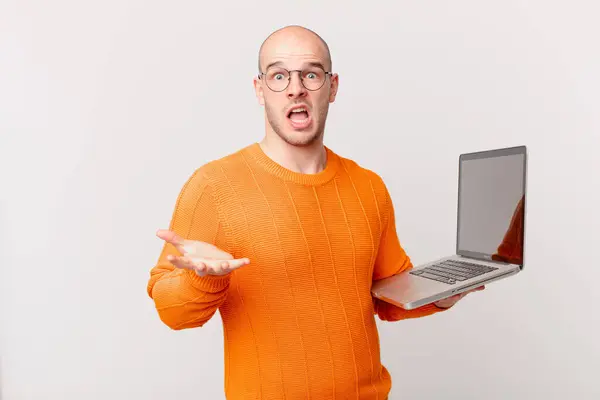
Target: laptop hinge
[{"x": 490, "y": 260}]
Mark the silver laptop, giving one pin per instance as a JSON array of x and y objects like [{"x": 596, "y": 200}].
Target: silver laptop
[{"x": 490, "y": 233}]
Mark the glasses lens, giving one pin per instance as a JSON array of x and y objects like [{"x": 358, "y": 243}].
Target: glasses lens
[
  {"x": 313, "y": 78},
  {"x": 277, "y": 79}
]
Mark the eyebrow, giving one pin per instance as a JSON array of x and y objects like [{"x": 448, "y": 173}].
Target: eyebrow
[{"x": 310, "y": 64}]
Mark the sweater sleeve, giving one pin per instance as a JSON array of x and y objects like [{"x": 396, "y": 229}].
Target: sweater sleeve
[
  {"x": 181, "y": 297},
  {"x": 392, "y": 259}
]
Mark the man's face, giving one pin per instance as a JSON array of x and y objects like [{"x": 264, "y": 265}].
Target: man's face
[{"x": 296, "y": 113}]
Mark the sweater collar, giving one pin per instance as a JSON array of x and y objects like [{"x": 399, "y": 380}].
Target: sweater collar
[{"x": 269, "y": 165}]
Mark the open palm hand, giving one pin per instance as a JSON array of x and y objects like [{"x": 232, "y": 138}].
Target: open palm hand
[{"x": 201, "y": 257}]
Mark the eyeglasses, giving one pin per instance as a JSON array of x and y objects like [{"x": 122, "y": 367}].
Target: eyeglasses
[{"x": 278, "y": 79}]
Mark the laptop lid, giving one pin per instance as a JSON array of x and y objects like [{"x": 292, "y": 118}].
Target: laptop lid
[{"x": 491, "y": 205}]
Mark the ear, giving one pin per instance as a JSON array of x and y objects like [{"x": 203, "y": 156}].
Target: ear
[
  {"x": 258, "y": 89},
  {"x": 333, "y": 88}
]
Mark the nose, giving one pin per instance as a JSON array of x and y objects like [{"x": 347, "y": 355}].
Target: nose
[{"x": 296, "y": 88}]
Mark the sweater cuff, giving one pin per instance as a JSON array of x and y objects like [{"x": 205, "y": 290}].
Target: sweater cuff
[{"x": 209, "y": 283}]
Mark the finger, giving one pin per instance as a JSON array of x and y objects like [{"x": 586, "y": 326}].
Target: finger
[
  {"x": 235, "y": 264},
  {"x": 178, "y": 262},
  {"x": 459, "y": 296},
  {"x": 221, "y": 266},
  {"x": 171, "y": 237},
  {"x": 201, "y": 268},
  {"x": 181, "y": 262},
  {"x": 476, "y": 289}
]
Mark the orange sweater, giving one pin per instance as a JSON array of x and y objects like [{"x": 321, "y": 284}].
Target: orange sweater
[{"x": 299, "y": 319}]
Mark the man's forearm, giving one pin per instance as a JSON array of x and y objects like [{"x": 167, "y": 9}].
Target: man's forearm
[{"x": 185, "y": 300}]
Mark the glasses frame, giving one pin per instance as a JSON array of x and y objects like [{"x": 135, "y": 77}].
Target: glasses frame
[{"x": 299, "y": 71}]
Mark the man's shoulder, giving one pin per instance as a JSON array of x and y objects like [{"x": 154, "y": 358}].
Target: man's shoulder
[
  {"x": 216, "y": 171},
  {"x": 371, "y": 182},
  {"x": 356, "y": 170}
]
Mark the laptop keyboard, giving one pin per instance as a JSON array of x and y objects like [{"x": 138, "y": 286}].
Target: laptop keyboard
[{"x": 452, "y": 271}]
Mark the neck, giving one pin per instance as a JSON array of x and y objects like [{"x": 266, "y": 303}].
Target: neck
[{"x": 310, "y": 159}]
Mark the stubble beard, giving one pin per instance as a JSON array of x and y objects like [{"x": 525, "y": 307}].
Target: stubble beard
[{"x": 302, "y": 140}]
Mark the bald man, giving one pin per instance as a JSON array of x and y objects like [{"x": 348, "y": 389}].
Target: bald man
[{"x": 284, "y": 239}]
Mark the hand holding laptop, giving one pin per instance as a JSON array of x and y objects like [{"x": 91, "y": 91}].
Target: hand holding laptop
[{"x": 450, "y": 301}]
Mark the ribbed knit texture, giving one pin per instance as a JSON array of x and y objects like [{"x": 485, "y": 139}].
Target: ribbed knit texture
[{"x": 299, "y": 320}]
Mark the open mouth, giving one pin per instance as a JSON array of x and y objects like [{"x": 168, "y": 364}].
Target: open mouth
[{"x": 299, "y": 117}]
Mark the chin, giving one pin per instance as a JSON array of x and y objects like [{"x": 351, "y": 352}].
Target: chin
[{"x": 300, "y": 138}]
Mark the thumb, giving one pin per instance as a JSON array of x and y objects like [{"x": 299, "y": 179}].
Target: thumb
[
  {"x": 477, "y": 289},
  {"x": 172, "y": 238}
]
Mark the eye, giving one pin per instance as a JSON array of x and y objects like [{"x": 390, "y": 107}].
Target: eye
[{"x": 278, "y": 76}]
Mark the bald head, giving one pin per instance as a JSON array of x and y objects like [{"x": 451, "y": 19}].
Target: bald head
[
  {"x": 295, "y": 48},
  {"x": 293, "y": 39}
]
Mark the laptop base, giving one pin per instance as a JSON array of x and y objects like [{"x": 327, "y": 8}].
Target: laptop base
[{"x": 419, "y": 286}]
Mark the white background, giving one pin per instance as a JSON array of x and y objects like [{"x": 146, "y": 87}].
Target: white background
[{"x": 107, "y": 107}]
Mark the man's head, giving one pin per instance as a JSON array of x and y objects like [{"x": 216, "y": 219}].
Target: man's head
[{"x": 282, "y": 89}]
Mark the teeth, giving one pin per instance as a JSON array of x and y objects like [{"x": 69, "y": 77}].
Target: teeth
[{"x": 299, "y": 110}]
